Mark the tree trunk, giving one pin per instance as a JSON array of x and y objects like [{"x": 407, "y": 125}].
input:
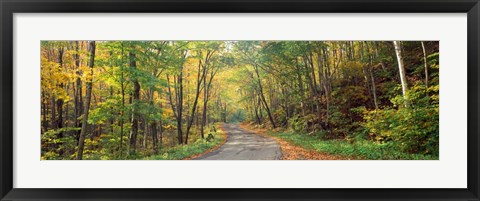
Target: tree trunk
[
  {"x": 144, "y": 131},
  {"x": 320, "y": 64},
  {"x": 301, "y": 87},
  {"x": 204, "y": 113},
  {"x": 136, "y": 99},
  {"x": 60, "y": 100},
  {"x": 78, "y": 91},
  {"x": 122, "y": 111},
  {"x": 425, "y": 64},
  {"x": 255, "y": 107},
  {"x": 206, "y": 95},
  {"x": 374, "y": 90},
  {"x": 224, "y": 112},
  {"x": 326, "y": 83},
  {"x": 401, "y": 67},
  {"x": 160, "y": 143},
  {"x": 112, "y": 119},
  {"x": 45, "y": 114},
  {"x": 180, "y": 106},
  {"x": 153, "y": 129},
  {"x": 270, "y": 117},
  {"x": 91, "y": 49},
  {"x": 53, "y": 120},
  {"x": 173, "y": 105},
  {"x": 200, "y": 77},
  {"x": 372, "y": 78}
]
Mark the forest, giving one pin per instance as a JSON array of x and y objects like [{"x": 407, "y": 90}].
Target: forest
[{"x": 171, "y": 100}]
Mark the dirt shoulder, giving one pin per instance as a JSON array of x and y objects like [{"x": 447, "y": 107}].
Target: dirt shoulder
[
  {"x": 224, "y": 136},
  {"x": 292, "y": 152}
]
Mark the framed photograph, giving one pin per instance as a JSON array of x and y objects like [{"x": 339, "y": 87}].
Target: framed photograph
[{"x": 239, "y": 100}]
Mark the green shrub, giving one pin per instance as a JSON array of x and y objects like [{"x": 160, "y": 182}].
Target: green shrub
[
  {"x": 199, "y": 146},
  {"x": 413, "y": 129},
  {"x": 358, "y": 149},
  {"x": 297, "y": 123}
]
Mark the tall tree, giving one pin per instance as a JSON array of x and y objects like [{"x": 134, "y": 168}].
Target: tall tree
[
  {"x": 136, "y": 99},
  {"x": 401, "y": 67},
  {"x": 88, "y": 96},
  {"x": 201, "y": 73},
  {"x": 262, "y": 96},
  {"x": 207, "y": 83},
  {"x": 425, "y": 63},
  {"x": 78, "y": 97},
  {"x": 372, "y": 78},
  {"x": 176, "y": 102},
  {"x": 122, "y": 89}
]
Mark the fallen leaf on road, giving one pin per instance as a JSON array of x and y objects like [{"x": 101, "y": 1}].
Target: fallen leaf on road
[{"x": 292, "y": 152}]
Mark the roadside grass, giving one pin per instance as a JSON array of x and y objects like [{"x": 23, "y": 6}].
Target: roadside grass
[
  {"x": 358, "y": 149},
  {"x": 192, "y": 149}
]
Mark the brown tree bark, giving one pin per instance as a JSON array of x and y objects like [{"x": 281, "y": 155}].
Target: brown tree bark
[
  {"x": 122, "y": 111},
  {"x": 78, "y": 98},
  {"x": 91, "y": 63},
  {"x": 179, "y": 99},
  {"x": 206, "y": 96},
  {"x": 262, "y": 96},
  {"x": 53, "y": 120},
  {"x": 136, "y": 98},
  {"x": 177, "y": 107},
  {"x": 201, "y": 71},
  {"x": 45, "y": 113},
  {"x": 204, "y": 111},
  {"x": 60, "y": 102}
]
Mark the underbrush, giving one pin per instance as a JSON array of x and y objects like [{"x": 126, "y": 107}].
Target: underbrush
[
  {"x": 359, "y": 149},
  {"x": 215, "y": 137}
]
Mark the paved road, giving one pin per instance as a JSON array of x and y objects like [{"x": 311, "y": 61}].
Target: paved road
[{"x": 244, "y": 145}]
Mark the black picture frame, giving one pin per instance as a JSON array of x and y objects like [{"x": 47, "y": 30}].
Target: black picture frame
[{"x": 10, "y": 7}]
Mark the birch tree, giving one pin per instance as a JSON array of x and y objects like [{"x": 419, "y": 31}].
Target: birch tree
[{"x": 401, "y": 67}]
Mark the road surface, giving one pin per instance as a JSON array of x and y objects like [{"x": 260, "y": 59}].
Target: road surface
[{"x": 242, "y": 144}]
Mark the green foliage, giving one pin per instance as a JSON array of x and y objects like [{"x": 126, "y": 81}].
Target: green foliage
[
  {"x": 237, "y": 116},
  {"x": 341, "y": 97},
  {"x": 105, "y": 111},
  {"x": 301, "y": 123},
  {"x": 185, "y": 151},
  {"x": 358, "y": 149},
  {"x": 297, "y": 123},
  {"x": 53, "y": 144},
  {"x": 350, "y": 96},
  {"x": 413, "y": 128},
  {"x": 210, "y": 137}
]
